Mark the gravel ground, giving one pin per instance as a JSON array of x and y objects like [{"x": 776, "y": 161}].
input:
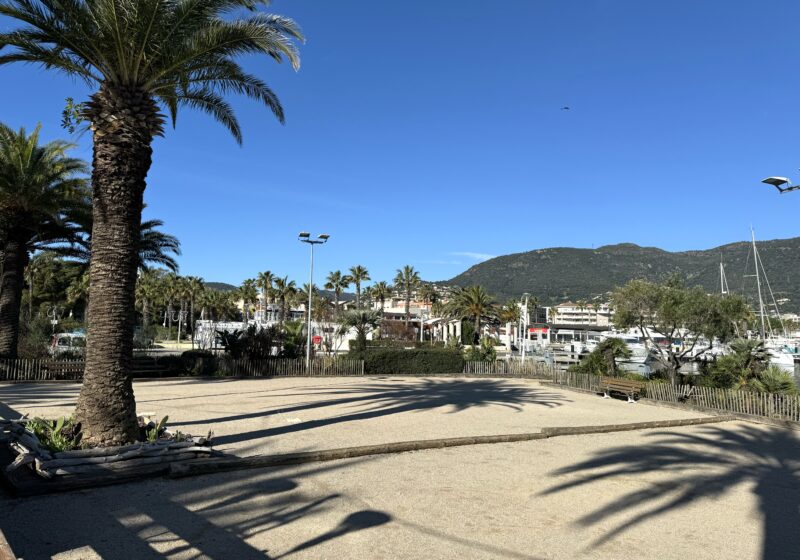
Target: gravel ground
[
  {"x": 706, "y": 492},
  {"x": 261, "y": 416}
]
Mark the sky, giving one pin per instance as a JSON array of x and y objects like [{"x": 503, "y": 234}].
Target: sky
[{"x": 432, "y": 133}]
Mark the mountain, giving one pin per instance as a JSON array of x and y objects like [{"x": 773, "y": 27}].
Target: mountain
[
  {"x": 220, "y": 286},
  {"x": 559, "y": 274}
]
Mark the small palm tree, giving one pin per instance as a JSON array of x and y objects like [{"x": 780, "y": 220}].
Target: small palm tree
[
  {"x": 147, "y": 292},
  {"x": 472, "y": 302},
  {"x": 337, "y": 283},
  {"x": 363, "y": 321},
  {"x": 39, "y": 187},
  {"x": 358, "y": 274},
  {"x": 380, "y": 291},
  {"x": 406, "y": 280},
  {"x": 142, "y": 56}
]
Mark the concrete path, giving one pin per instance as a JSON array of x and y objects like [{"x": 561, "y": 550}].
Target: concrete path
[
  {"x": 263, "y": 416},
  {"x": 707, "y": 492}
]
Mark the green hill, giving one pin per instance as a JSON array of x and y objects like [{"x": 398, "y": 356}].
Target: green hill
[
  {"x": 220, "y": 286},
  {"x": 559, "y": 274}
]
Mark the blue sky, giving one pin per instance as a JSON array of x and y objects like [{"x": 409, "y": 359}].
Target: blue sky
[{"x": 431, "y": 133}]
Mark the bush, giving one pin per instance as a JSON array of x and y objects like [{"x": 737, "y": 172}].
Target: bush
[
  {"x": 420, "y": 361},
  {"x": 198, "y": 362}
]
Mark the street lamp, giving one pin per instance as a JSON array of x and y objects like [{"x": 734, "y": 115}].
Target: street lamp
[
  {"x": 778, "y": 183},
  {"x": 305, "y": 237}
]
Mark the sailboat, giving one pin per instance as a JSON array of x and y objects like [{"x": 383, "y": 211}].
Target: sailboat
[{"x": 781, "y": 349}]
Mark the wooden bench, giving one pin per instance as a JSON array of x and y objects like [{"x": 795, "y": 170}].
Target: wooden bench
[{"x": 628, "y": 387}]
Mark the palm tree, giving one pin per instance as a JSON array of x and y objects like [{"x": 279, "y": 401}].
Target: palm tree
[
  {"x": 363, "y": 321},
  {"x": 510, "y": 312},
  {"x": 338, "y": 283},
  {"x": 248, "y": 293},
  {"x": 358, "y": 274},
  {"x": 142, "y": 55},
  {"x": 427, "y": 293},
  {"x": 219, "y": 304},
  {"x": 472, "y": 302},
  {"x": 194, "y": 291},
  {"x": 380, "y": 291},
  {"x": 406, "y": 280},
  {"x": 264, "y": 282},
  {"x": 39, "y": 188},
  {"x": 155, "y": 247},
  {"x": 147, "y": 291},
  {"x": 284, "y": 290}
]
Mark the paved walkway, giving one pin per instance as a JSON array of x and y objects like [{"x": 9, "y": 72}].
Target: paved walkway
[
  {"x": 706, "y": 492},
  {"x": 261, "y": 416}
]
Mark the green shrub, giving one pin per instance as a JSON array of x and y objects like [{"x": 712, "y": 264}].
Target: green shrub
[
  {"x": 63, "y": 434},
  {"x": 420, "y": 361},
  {"x": 198, "y": 362}
]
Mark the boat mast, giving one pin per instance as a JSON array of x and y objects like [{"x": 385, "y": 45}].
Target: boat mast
[{"x": 758, "y": 285}]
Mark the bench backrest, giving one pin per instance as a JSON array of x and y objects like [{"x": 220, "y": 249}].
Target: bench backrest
[{"x": 622, "y": 383}]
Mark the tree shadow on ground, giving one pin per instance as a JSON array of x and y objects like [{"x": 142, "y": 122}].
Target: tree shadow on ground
[
  {"x": 211, "y": 517},
  {"x": 36, "y": 395},
  {"x": 703, "y": 464},
  {"x": 378, "y": 400}
]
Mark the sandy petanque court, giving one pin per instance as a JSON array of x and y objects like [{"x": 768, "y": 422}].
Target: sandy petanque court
[
  {"x": 723, "y": 490},
  {"x": 259, "y": 416}
]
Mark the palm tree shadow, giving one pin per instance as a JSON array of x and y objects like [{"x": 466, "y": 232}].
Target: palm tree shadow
[
  {"x": 385, "y": 399},
  {"x": 705, "y": 464}
]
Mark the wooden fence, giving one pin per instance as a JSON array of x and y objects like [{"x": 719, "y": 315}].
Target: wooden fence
[
  {"x": 527, "y": 368},
  {"x": 768, "y": 405},
  {"x": 53, "y": 370},
  {"x": 41, "y": 370},
  {"x": 281, "y": 367}
]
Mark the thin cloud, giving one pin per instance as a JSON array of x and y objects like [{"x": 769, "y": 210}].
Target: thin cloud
[{"x": 480, "y": 257}]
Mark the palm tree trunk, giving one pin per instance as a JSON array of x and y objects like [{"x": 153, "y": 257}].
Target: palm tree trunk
[
  {"x": 358, "y": 295},
  {"x": 477, "y": 336},
  {"x": 124, "y": 122},
  {"x": 11, "y": 288}
]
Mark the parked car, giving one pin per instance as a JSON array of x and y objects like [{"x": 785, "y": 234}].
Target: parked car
[{"x": 68, "y": 343}]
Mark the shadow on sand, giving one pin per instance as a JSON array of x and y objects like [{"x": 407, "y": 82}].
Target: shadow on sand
[
  {"x": 209, "y": 517},
  {"x": 378, "y": 400},
  {"x": 702, "y": 464}
]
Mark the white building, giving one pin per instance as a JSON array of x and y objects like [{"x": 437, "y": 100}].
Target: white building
[{"x": 589, "y": 314}]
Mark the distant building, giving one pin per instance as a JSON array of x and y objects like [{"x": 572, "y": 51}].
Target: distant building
[{"x": 590, "y": 314}]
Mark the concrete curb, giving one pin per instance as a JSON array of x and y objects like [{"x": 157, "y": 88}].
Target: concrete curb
[{"x": 208, "y": 466}]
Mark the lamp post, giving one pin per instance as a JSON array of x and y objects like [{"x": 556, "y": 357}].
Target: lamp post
[
  {"x": 305, "y": 237},
  {"x": 779, "y": 182}
]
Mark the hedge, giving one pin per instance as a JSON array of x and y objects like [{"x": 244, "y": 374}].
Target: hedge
[{"x": 387, "y": 361}]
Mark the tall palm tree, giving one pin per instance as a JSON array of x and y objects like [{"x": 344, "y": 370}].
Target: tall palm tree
[
  {"x": 380, "y": 291},
  {"x": 358, "y": 274},
  {"x": 338, "y": 283},
  {"x": 194, "y": 291},
  {"x": 406, "y": 280},
  {"x": 147, "y": 291},
  {"x": 284, "y": 290},
  {"x": 472, "y": 302},
  {"x": 154, "y": 247},
  {"x": 264, "y": 282},
  {"x": 142, "y": 55},
  {"x": 219, "y": 304},
  {"x": 248, "y": 293},
  {"x": 39, "y": 187}
]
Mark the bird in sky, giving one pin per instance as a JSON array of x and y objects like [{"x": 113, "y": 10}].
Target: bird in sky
[{"x": 565, "y": 108}]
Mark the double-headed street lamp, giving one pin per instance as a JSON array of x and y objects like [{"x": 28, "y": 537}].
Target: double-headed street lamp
[
  {"x": 779, "y": 182},
  {"x": 305, "y": 237}
]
